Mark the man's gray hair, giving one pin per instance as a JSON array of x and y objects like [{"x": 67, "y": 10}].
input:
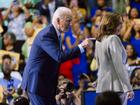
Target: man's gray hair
[{"x": 60, "y": 13}]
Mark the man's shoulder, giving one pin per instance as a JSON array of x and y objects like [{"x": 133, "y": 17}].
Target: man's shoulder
[{"x": 46, "y": 30}]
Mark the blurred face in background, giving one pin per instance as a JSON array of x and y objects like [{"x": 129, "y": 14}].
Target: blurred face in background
[
  {"x": 60, "y": 79},
  {"x": 134, "y": 13},
  {"x": 129, "y": 50},
  {"x": 76, "y": 28},
  {"x": 6, "y": 65},
  {"x": 137, "y": 27},
  {"x": 16, "y": 11},
  {"x": 137, "y": 76},
  {"x": 73, "y": 3},
  {"x": 94, "y": 30},
  {"x": 29, "y": 31},
  {"x": 47, "y": 1},
  {"x": 7, "y": 40},
  {"x": 36, "y": 19},
  {"x": 101, "y": 2}
]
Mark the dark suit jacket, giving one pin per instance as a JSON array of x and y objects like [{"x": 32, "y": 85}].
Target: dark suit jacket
[{"x": 42, "y": 69}]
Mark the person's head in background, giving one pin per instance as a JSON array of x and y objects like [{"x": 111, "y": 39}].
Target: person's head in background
[
  {"x": 29, "y": 29},
  {"x": 16, "y": 10},
  {"x": 108, "y": 98},
  {"x": 135, "y": 77},
  {"x": 62, "y": 18},
  {"x": 76, "y": 29},
  {"x": 9, "y": 40},
  {"x": 101, "y": 3},
  {"x": 130, "y": 51},
  {"x": 20, "y": 101},
  {"x": 6, "y": 65},
  {"x": 136, "y": 28},
  {"x": 111, "y": 24},
  {"x": 36, "y": 18},
  {"x": 83, "y": 81},
  {"x": 61, "y": 78},
  {"x": 46, "y": 2},
  {"x": 133, "y": 13}
]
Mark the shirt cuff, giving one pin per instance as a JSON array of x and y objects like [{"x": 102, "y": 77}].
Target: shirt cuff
[{"x": 81, "y": 48}]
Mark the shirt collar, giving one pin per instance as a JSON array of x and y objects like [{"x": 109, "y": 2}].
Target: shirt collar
[{"x": 57, "y": 31}]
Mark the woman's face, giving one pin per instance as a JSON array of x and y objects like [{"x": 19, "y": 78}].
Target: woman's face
[
  {"x": 6, "y": 40},
  {"x": 137, "y": 27},
  {"x": 119, "y": 27},
  {"x": 129, "y": 50},
  {"x": 134, "y": 13},
  {"x": 16, "y": 11},
  {"x": 76, "y": 28},
  {"x": 94, "y": 30}
]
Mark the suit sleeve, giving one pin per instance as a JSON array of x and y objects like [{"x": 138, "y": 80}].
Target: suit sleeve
[
  {"x": 116, "y": 53},
  {"x": 51, "y": 47}
]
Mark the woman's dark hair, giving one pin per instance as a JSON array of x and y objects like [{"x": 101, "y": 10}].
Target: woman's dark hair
[
  {"x": 129, "y": 13},
  {"x": 134, "y": 56},
  {"x": 6, "y": 56},
  {"x": 108, "y": 98},
  {"x": 21, "y": 101},
  {"x": 12, "y": 35}
]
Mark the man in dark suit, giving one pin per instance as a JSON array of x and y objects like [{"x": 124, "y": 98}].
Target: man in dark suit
[{"x": 41, "y": 72}]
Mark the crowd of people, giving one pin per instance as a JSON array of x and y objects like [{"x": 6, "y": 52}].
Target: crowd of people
[{"x": 21, "y": 23}]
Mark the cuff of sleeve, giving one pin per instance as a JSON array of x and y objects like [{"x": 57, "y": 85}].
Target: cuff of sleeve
[{"x": 81, "y": 48}]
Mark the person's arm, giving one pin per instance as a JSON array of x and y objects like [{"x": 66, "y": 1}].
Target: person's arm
[
  {"x": 51, "y": 47},
  {"x": 134, "y": 62},
  {"x": 26, "y": 11},
  {"x": 116, "y": 51},
  {"x": 127, "y": 32},
  {"x": 68, "y": 42},
  {"x": 5, "y": 16}
]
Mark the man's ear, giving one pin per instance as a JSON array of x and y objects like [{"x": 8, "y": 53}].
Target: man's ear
[{"x": 58, "y": 20}]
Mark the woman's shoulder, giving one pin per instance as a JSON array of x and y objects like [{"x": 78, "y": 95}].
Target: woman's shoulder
[{"x": 113, "y": 38}]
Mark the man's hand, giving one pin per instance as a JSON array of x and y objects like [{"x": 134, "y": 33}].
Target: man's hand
[{"x": 85, "y": 43}]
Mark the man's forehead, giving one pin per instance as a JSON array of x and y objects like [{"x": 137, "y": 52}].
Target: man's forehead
[{"x": 68, "y": 15}]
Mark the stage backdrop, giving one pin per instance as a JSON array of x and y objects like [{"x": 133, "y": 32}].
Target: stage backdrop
[{"x": 89, "y": 98}]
